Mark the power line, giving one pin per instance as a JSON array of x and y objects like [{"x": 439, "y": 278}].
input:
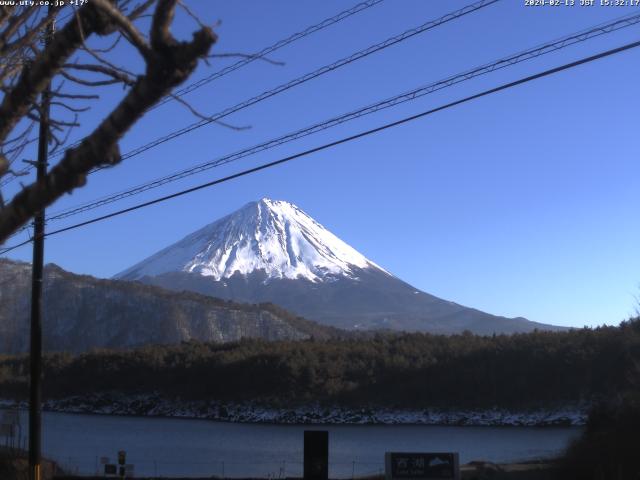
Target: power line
[
  {"x": 541, "y": 49},
  {"x": 312, "y": 75},
  {"x": 14, "y": 247},
  {"x": 327, "y": 22},
  {"x": 325, "y": 146},
  {"x": 511, "y": 60},
  {"x": 293, "y": 83},
  {"x": 271, "y": 48},
  {"x": 307, "y": 77}
]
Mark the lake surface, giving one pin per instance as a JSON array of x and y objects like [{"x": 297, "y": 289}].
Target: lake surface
[{"x": 167, "y": 446}]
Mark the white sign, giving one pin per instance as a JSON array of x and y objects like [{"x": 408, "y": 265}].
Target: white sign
[{"x": 422, "y": 465}]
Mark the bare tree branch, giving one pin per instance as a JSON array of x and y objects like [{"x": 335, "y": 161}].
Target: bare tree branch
[
  {"x": 69, "y": 107},
  {"x": 49, "y": 62},
  {"x": 161, "y": 38},
  {"x": 140, "y": 9},
  {"x": 88, "y": 83},
  {"x": 75, "y": 96},
  {"x": 127, "y": 28},
  {"x": 169, "y": 63},
  {"x": 57, "y": 142},
  {"x": 5, "y": 12},
  {"x": 191, "y": 14},
  {"x": 110, "y": 47},
  {"x": 116, "y": 74},
  {"x": 15, "y": 22},
  {"x": 4, "y": 165},
  {"x": 201, "y": 116},
  {"x": 19, "y": 137},
  {"x": 19, "y": 173},
  {"x": 32, "y": 32}
]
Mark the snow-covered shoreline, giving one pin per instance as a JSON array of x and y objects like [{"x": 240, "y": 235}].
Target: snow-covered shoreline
[{"x": 313, "y": 414}]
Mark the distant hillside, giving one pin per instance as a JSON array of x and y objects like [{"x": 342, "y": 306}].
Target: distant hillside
[{"x": 82, "y": 312}]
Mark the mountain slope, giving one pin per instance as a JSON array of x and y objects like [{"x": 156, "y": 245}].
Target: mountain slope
[
  {"x": 82, "y": 312},
  {"x": 273, "y": 251}
]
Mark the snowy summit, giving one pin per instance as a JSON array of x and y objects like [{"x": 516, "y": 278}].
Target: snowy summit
[{"x": 273, "y": 236}]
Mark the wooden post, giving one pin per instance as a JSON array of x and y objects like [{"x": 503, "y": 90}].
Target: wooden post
[{"x": 35, "y": 351}]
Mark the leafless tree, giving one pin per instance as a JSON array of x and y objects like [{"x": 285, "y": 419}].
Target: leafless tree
[{"x": 80, "y": 54}]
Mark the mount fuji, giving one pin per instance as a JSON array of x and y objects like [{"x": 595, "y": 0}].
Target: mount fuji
[{"x": 272, "y": 251}]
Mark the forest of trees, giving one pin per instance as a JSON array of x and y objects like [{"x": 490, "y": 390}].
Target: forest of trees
[{"x": 400, "y": 370}]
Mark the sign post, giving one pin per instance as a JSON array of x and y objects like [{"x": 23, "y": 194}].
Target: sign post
[
  {"x": 316, "y": 455},
  {"x": 121, "y": 469},
  {"x": 421, "y": 466},
  {"x": 122, "y": 459}
]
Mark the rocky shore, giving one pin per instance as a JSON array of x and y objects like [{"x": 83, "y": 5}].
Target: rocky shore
[{"x": 155, "y": 406}]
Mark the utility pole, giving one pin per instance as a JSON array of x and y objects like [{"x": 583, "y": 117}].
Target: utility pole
[{"x": 35, "y": 352}]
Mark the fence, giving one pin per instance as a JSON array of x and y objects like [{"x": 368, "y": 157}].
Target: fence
[
  {"x": 276, "y": 469},
  {"x": 11, "y": 435}
]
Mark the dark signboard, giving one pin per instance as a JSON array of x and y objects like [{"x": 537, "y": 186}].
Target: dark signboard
[
  {"x": 421, "y": 466},
  {"x": 316, "y": 455},
  {"x": 110, "y": 469}
]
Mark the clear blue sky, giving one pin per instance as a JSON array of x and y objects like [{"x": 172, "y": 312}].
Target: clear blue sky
[{"x": 524, "y": 203}]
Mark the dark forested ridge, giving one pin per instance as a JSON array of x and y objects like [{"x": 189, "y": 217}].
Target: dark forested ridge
[{"x": 409, "y": 370}]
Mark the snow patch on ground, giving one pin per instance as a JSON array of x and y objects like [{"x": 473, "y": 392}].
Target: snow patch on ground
[{"x": 152, "y": 405}]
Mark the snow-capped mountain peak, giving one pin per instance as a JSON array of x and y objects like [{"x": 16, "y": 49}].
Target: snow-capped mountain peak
[{"x": 272, "y": 236}]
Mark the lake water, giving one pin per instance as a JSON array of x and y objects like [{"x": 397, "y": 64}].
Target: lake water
[{"x": 164, "y": 446}]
